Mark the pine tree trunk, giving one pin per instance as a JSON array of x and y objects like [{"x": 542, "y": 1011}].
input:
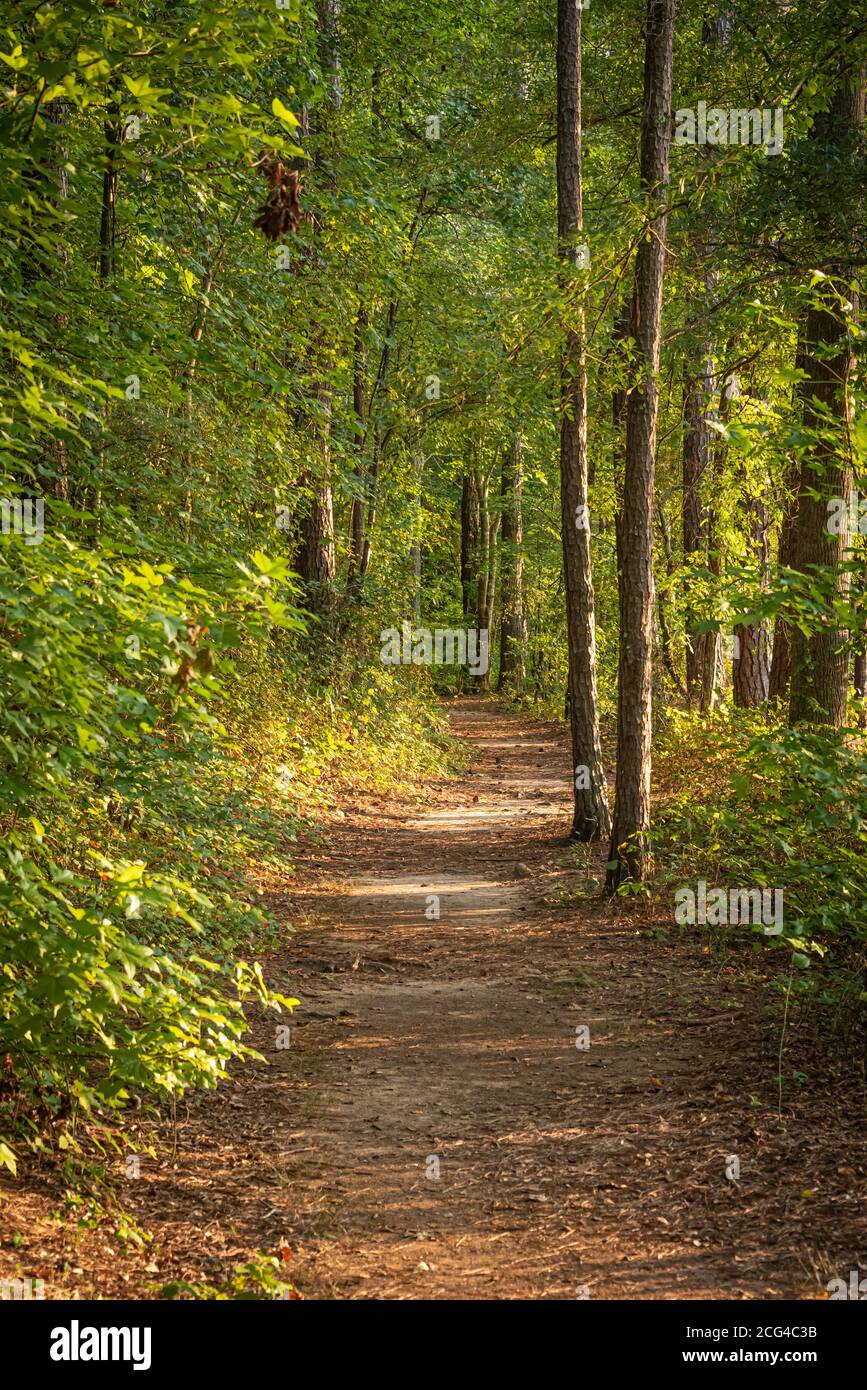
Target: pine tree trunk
[
  {"x": 591, "y": 818},
  {"x": 632, "y": 787}
]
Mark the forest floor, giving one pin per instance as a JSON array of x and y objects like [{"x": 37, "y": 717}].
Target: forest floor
[{"x": 432, "y": 1130}]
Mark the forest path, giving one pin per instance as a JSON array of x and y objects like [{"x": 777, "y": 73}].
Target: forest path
[
  {"x": 559, "y": 1169},
  {"x": 449, "y": 1046}
]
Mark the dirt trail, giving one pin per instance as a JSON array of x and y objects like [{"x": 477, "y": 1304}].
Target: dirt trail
[
  {"x": 449, "y": 1046},
  {"x": 432, "y": 1131}
]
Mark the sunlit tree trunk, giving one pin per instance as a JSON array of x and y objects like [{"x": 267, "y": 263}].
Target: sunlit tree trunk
[
  {"x": 590, "y": 817},
  {"x": 512, "y": 624},
  {"x": 470, "y": 522},
  {"x": 315, "y": 553},
  {"x": 632, "y": 788},
  {"x": 750, "y": 662},
  {"x": 781, "y": 656},
  {"x": 696, "y": 458}
]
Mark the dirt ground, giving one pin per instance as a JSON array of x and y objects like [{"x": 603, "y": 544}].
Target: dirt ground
[{"x": 439, "y": 1127}]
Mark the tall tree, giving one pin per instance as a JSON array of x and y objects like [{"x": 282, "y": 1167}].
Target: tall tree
[
  {"x": 512, "y": 622},
  {"x": 470, "y": 529},
  {"x": 696, "y": 455},
  {"x": 590, "y": 818},
  {"x": 315, "y": 556},
  {"x": 820, "y": 660},
  {"x": 628, "y": 851}
]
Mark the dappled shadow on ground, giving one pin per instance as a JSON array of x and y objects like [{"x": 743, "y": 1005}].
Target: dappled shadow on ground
[{"x": 434, "y": 1131}]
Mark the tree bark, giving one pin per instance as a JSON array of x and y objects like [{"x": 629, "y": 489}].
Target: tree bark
[
  {"x": 820, "y": 660},
  {"x": 488, "y": 581},
  {"x": 591, "y": 818},
  {"x": 113, "y": 130},
  {"x": 314, "y": 554},
  {"x": 512, "y": 623},
  {"x": 781, "y": 657},
  {"x": 357, "y": 509},
  {"x": 415, "y": 548},
  {"x": 750, "y": 664},
  {"x": 470, "y": 545},
  {"x": 628, "y": 853},
  {"x": 696, "y": 460}
]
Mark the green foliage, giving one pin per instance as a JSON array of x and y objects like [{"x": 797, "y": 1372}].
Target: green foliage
[
  {"x": 108, "y": 689},
  {"x": 257, "y": 1279},
  {"x": 175, "y": 391},
  {"x": 778, "y": 807}
]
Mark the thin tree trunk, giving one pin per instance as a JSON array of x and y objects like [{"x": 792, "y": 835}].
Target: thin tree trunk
[
  {"x": 512, "y": 625},
  {"x": 415, "y": 548},
  {"x": 750, "y": 664},
  {"x": 114, "y": 132},
  {"x": 357, "y": 509},
  {"x": 590, "y": 818},
  {"x": 696, "y": 459},
  {"x": 370, "y": 519},
  {"x": 781, "y": 658},
  {"x": 628, "y": 851},
  {"x": 373, "y": 423},
  {"x": 56, "y": 114},
  {"x": 662, "y": 606},
  {"x": 470, "y": 545},
  {"x": 484, "y": 551},
  {"x": 315, "y": 555}
]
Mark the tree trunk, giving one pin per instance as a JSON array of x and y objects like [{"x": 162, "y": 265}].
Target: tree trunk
[
  {"x": 370, "y": 520},
  {"x": 114, "y": 132},
  {"x": 512, "y": 625},
  {"x": 591, "y": 818},
  {"x": 781, "y": 658},
  {"x": 357, "y": 509},
  {"x": 628, "y": 851},
  {"x": 314, "y": 554},
  {"x": 56, "y": 114},
  {"x": 484, "y": 552},
  {"x": 820, "y": 660},
  {"x": 489, "y": 589},
  {"x": 696, "y": 460},
  {"x": 750, "y": 664},
  {"x": 415, "y": 548},
  {"x": 470, "y": 545}
]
